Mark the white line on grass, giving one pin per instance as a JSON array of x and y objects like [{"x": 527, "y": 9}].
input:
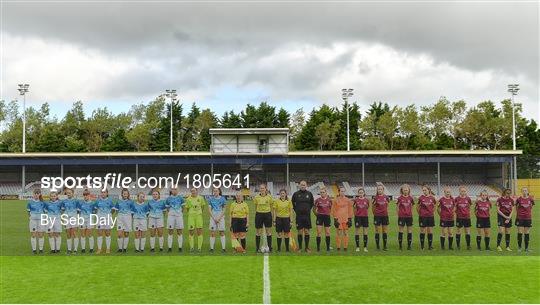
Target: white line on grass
[{"x": 266, "y": 280}]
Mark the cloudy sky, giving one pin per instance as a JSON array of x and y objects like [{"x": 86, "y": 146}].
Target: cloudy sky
[{"x": 223, "y": 55}]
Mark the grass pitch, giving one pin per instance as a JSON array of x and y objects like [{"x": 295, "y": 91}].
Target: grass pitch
[{"x": 376, "y": 277}]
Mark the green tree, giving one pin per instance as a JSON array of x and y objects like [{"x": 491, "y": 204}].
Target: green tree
[
  {"x": 387, "y": 125},
  {"x": 354, "y": 132},
  {"x": 307, "y": 138},
  {"x": 298, "y": 120},
  {"x": 409, "y": 131},
  {"x": 204, "y": 122},
  {"x": 230, "y": 120},
  {"x": 326, "y": 133},
  {"x": 144, "y": 124},
  {"x": 117, "y": 141},
  {"x": 282, "y": 119}
]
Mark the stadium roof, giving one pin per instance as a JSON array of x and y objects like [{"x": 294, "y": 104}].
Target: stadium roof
[
  {"x": 294, "y": 157},
  {"x": 291, "y": 153},
  {"x": 236, "y": 131}
]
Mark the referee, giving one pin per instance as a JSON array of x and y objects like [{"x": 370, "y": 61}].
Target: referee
[{"x": 302, "y": 201}]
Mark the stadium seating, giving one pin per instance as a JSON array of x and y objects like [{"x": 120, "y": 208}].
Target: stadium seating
[{"x": 10, "y": 189}]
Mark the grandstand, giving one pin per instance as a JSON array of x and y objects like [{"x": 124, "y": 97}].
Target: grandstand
[{"x": 252, "y": 151}]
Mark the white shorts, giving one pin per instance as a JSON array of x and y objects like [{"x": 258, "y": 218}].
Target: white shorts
[
  {"x": 86, "y": 224},
  {"x": 140, "y": 224},
  {"x": 124, "y": 222},
  {"x": 69, "y": 225},
  {"x": 106, "y": 224},
  {"x": 55, "y": 227},
  {"x": 217, "y": 226},
  {"x": 155, "y": 222},
  {"x": 35, "y": 226},
  {"x": 175, "y": 222}
]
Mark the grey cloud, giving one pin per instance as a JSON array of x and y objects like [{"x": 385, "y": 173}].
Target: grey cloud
[
  {"x": 470, "y": 35},
  {"x": 204, "y": 45}
]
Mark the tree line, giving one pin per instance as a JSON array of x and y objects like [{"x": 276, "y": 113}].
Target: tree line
[{"x": 146, "y": 126}]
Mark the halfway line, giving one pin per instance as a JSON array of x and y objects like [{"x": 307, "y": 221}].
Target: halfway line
[{"x": 266, "y": 280}]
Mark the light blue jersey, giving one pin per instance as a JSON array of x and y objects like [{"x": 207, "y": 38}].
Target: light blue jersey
[
  {"x": 156, "y": 208},
  {"x": 123, "y": 206},
  {"x": 86, "y": 208},
  {"x": 35, "y": 208},
  {"x": 104, "y": 206},
  {"x": 217, "y": 204},
  {"x": 140, "y": 210},
  {"x": 54, "y": 208},
  {"x": 70, "y": 206},
  {"x": 174, "y": 204}
]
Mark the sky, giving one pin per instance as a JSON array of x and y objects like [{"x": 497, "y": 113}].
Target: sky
[{"x": 225, "y": 54}]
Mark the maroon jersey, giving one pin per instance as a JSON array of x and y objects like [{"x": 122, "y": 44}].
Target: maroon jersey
[
  {"x": 361, "y": 206},
  {"x": 380, "y": 205},
  {"x": 323, "y": 205},
  {"x": 447, "y": 207},
  {"x": 463, "y": 207},
  {"x": 405, "y": 204},
  {"x": 505, "y": 205},
  {"x": 524, "y": 207},
  {"x": 426, "y": 205},
  {"x": 483, "y": 208}
]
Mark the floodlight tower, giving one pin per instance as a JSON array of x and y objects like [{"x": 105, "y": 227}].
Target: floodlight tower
[
  {"x": 171, "y": 93},
  {"x": 345, "y": 94},
  {"x": 23, "y": 89},
  {"x": 513, "y": 89}
]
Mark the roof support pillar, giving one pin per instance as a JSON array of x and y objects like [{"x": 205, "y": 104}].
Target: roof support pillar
[
  {"x": 363, "y": 176},
  {"x": 23, "y": 180},
  {"x": 287, "y": 174},
  {"x": 515, "y": 176},
  {"x": 438, "y": 178}
]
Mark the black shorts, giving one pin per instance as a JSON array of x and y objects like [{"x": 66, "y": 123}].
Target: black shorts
[
  {"x": 303, "y": 221},
  {"x": 405, "y": 221},
  {"x": 263, "y": 219},
  {"x": 527, "y": 223},
  {"x": 483, "y": 223},
  {"x": 463, "y": 222},
  {"x": 447, "y": 223},
  {"x": 501, "y": 222},
  {"x": 323, "y": 220},
  {"x": 361, "y": 221},
  {"x": 283, "y": 224},
  {"x": 380, "y": 220},
  {"x": 426, "y": 221},
  {"x": 239, "y": 225},
  {"x": 336, "y": 223}
]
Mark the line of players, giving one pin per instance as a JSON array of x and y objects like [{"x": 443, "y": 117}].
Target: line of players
[{"x": 140, "y": 215}]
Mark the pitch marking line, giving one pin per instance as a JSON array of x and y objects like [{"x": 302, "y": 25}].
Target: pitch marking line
[{"x": 266, "y": 280}]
